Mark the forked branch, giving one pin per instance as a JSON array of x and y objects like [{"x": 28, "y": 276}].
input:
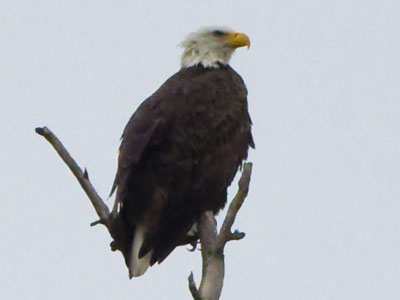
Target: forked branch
[{"x": 213, "y": 243}]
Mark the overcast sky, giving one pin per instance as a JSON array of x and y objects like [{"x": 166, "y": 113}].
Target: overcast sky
[{"x": 323, "y": 215}]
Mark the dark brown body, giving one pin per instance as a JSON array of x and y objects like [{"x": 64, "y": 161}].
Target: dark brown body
[{"x": 179, "y": 153}]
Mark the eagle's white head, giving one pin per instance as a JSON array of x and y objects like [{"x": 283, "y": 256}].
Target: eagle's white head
[{"x": 211, "y": 47}]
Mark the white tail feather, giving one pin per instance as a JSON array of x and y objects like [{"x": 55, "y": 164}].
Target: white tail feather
[{"x": 138, "y": 266}]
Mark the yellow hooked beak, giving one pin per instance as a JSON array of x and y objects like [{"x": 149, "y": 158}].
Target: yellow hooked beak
[{"x": 237, "y": 40}]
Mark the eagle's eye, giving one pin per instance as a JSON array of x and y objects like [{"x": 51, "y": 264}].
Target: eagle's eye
[{"x": 218, "y": 33}]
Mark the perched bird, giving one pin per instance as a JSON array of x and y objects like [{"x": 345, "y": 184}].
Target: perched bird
[{"x": 182, "y": 148}]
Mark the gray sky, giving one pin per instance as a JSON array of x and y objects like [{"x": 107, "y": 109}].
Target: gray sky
[{"x": 322, "y": 218}]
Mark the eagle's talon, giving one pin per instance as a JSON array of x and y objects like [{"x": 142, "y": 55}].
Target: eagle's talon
[{"x": 194, "y": 245}]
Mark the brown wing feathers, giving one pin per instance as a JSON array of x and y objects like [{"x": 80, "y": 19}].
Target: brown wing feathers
[{"x": 179, "y": 153}]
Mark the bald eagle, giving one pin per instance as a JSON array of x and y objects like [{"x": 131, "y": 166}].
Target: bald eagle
[{"x": 182, "y": 148}]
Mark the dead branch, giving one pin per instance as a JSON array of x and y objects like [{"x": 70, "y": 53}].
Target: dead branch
[
  {"x": 192, "y": 288},
  {"x": 111, "y": 221},
  {"x": 82, "y": 177},
  {"x": 213, "y": 244}
]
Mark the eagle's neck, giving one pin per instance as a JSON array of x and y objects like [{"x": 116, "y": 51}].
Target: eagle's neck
[{"x": 194, "y": 54}]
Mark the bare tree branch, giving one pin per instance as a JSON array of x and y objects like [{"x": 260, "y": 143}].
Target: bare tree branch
[
  {"x": 111, "y": 221},
  {"x": 213, "y": 244},
  {"x": 192, "y": 287},
  {"x": 83, "y": 178},
  {"x": 244, "y": 182}
]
